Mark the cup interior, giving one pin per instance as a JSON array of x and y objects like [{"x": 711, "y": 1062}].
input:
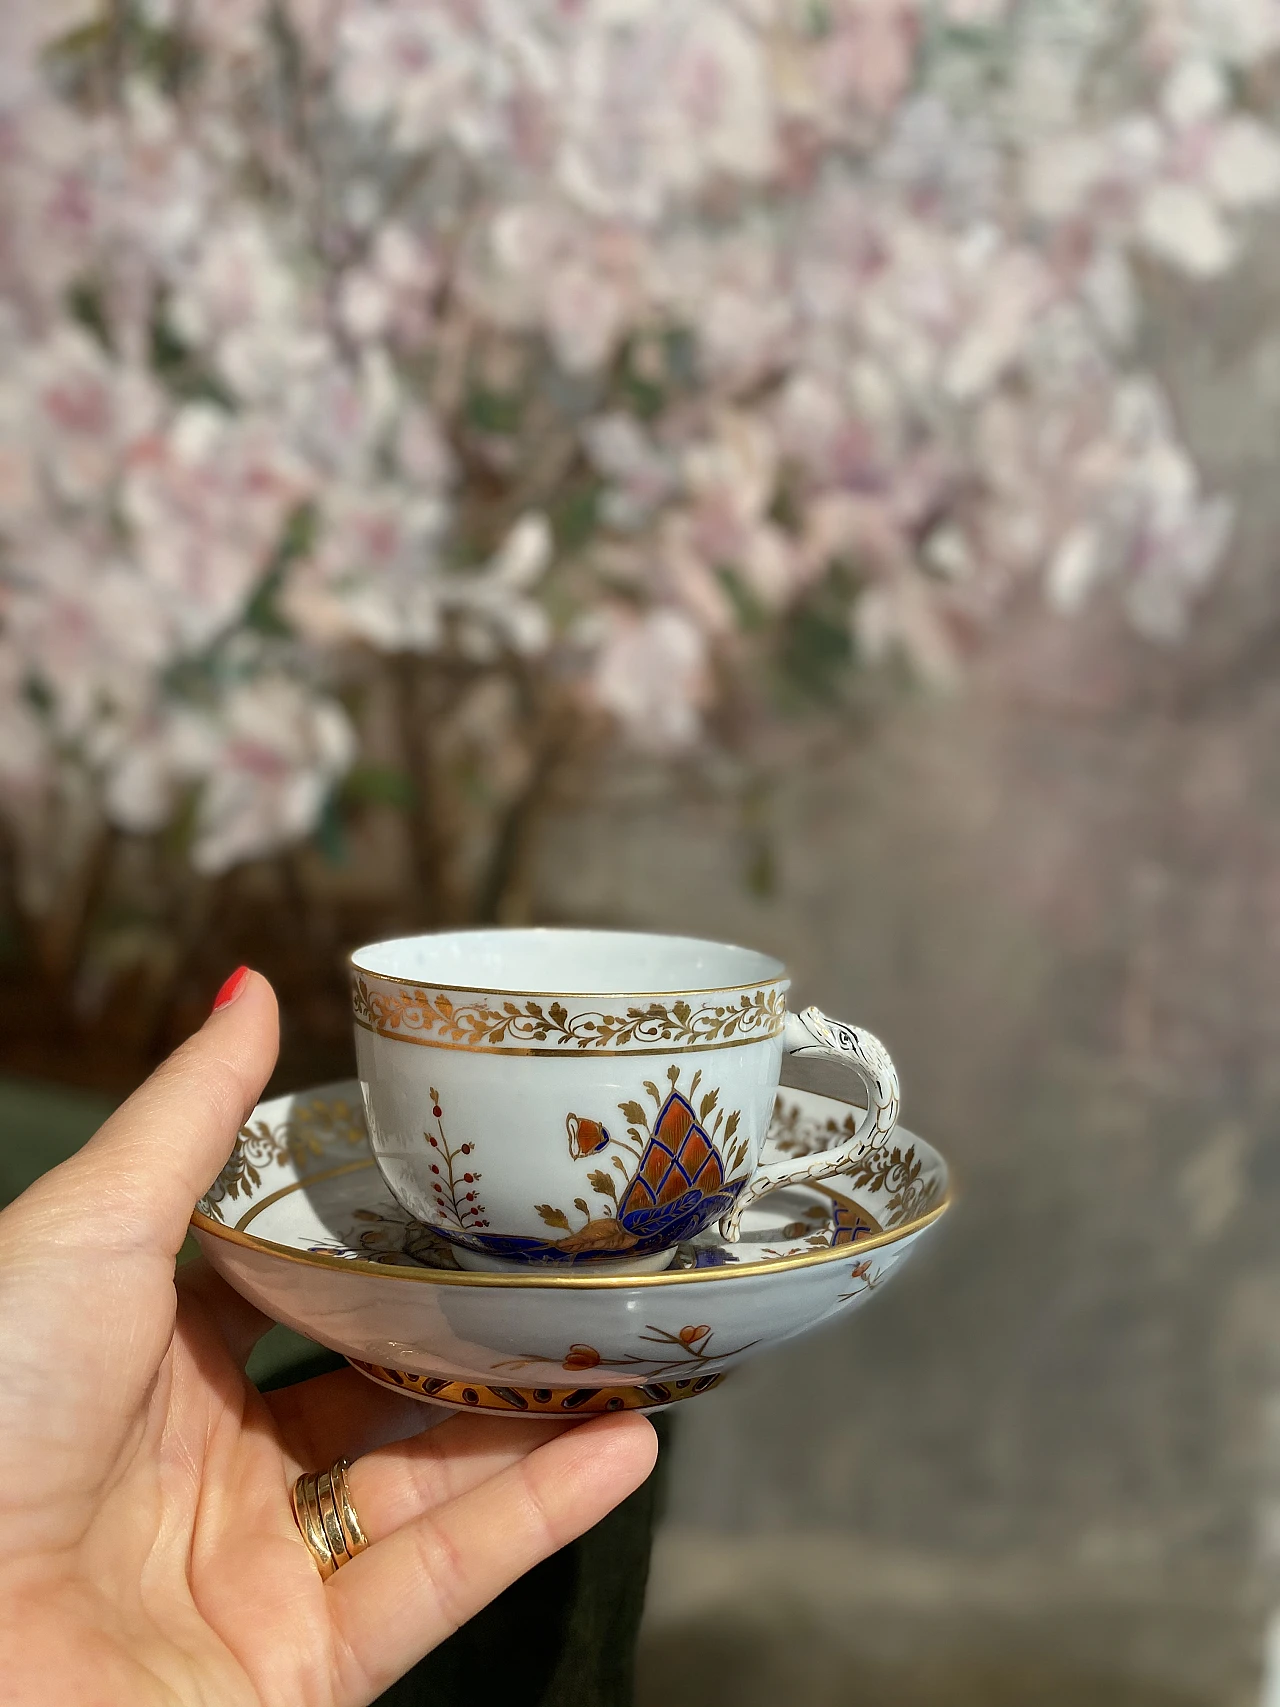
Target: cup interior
[{"x": 567, "y": 962}]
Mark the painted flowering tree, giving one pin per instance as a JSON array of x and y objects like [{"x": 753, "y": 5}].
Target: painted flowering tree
[{"x": 401, "y": 402}]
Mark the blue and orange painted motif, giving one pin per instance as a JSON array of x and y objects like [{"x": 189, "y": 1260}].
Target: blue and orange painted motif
[
  {"x": 848, "y": 1223},
  {"x": 677, "y": 1188}
]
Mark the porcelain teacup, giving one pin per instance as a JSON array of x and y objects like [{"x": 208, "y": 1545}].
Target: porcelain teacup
[{"x": 587, "y": 1098}]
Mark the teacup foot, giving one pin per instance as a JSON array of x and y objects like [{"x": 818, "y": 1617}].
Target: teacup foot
[
  {"x": 536, "y": 1401},
  {"x": 479, "y": 1262}
]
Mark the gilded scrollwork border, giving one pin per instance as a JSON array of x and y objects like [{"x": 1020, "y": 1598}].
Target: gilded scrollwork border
[{"x": 408, "y": 1013}]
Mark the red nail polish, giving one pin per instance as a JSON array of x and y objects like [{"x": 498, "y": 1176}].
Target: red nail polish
[{"x": 231, "y": 989}]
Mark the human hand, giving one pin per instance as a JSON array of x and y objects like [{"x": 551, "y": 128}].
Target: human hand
[{"x": 149, "y": 1551}]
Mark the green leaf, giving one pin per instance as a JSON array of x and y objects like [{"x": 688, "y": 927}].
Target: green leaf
[
  {"x": 576, "y": 517},
  {"x": 379, "y": 785},
  {"x": 760, "y": 872},
  {"x": 816, "y": 646},
  {"x": 553, "y": 1217},
  {"x": 330, "y": 833},
  {"x": 494, "y": 411},
  {"x": 87, "y": 305},
  {"x": 751, "y": 614},
  {"x": 180, "y": 368}
]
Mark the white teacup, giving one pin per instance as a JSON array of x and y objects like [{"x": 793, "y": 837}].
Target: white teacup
[{"x": 578, "y": 1097}]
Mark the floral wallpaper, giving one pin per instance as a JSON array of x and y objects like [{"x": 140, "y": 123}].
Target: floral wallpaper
[{"x": 612, "y": 350}]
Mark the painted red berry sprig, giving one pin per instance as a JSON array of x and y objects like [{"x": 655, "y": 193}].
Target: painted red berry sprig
[{"x": 459, "y": 1209}]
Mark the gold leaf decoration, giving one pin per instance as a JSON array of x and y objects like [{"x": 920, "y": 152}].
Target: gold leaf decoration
[{"x": 429, "y": 1016}]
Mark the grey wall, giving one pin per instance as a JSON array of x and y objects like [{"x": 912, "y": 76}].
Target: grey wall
[{"x": 1046, "y": 1464}]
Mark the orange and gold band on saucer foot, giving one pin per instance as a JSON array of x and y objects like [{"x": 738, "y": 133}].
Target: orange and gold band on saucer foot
[
  {"x": 537, "y": 1401},
  {"x": 326, "y": 1518}
]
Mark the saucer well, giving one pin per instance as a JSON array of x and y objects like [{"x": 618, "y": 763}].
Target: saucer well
[{"x": 301, "y": 1223}]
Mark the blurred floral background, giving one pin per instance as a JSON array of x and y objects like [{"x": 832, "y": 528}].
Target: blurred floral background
[{"x": 796, "y": 470}]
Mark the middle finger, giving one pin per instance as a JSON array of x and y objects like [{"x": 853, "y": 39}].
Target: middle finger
[{"x": 408, "y": 1478}]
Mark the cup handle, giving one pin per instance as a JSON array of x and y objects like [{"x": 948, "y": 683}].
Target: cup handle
[{"x": 811, "y": 1034}]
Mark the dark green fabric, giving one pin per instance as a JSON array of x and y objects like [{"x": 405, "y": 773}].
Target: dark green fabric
[
  {"x": 40, "y": 1127},
  {"x": 563, "y": 1636}
]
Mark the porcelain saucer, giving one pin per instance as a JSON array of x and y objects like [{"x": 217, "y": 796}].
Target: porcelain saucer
[{"x": 300, "y": 1222}]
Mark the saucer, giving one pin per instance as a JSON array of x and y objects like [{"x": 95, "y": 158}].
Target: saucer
[{"x": 300, "y": 1222}]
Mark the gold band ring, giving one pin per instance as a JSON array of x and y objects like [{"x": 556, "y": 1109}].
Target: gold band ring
[{"x": 326, "y": 1518}]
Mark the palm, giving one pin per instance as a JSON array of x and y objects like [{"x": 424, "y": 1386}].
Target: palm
[{"x": 151, "y": 1554}]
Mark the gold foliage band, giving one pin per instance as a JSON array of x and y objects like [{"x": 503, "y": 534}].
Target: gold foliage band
[
  {"x": 538, "y": 1401},
  {"x": 415, "y": 1015}
]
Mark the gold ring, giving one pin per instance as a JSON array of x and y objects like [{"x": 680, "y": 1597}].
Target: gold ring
[{"x": 326, "y": 1518}]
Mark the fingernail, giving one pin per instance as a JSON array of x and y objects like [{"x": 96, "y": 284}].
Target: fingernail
[{"x": 231, "y": 989}]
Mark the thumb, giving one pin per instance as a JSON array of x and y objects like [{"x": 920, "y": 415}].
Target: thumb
[{"x": 139, "y": 1176}]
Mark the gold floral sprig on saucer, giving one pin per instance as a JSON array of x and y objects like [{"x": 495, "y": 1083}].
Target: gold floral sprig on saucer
[
  {"x": 897, "y": 1171},
  {"x": 416, "y": 1015},
  {"x": 313, "y": 1131}
]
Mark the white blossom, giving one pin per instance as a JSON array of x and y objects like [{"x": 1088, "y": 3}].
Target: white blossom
[
  {"x": 374, "y": 574},
  {"x": 206, "y": 503},
  {"x": 581, "y": 340},
  {"x": 651, "y": 672}
]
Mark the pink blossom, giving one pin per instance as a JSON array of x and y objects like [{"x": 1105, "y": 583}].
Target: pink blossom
[
  {"x": 85, "y": 413},
  {"x": 390, "y": 295},
  {"x": 206, "y": 503},
  {"x": 1180, "y": 224},
  {"x": 640, "y": 473},
  {"x": 650, "y": 672},
  {"x": 542, "y": 265},
  {"x": 264, "y": 760},
  {"x": 773, "y": 290},
  {"x": 1241, "y": 32},
  {"x": 1244, "y": 163},
  {"x": 240, "y": 301},
  {"x": 227, "y": 27},
  {"x": 374, "y": 575},
  {"x": 340, "y": 412},
  {"x": 732, "y": 291},
  {"x": 867, "y": 58},
  {"x": 662, "y": 98},
  {"x": 417, "y": 70},
  {"x": 19, "y": 478},
  {"x": 88, "y": 627},
  {"x": 48, "y": 162},
  {"x": 492, "y": 607},
  {"x": 898, "y": 616},
  {"x": 281, "y": 749}
]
